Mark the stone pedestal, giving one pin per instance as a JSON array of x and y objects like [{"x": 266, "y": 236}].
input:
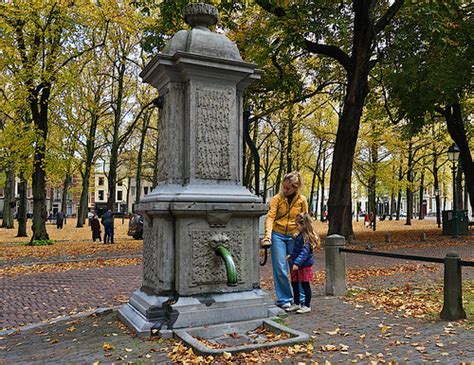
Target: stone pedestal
[{"x": 199, "y": 201}]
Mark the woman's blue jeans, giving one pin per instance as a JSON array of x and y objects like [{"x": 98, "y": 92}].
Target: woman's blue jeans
[{"x": 282, "y": 245}]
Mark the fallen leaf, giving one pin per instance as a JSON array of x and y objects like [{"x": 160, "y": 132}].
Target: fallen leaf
[
  {"x": 335, "y": 332},
  {"x": 329, "y": 348},
  {"x": 107, "y": 347},
  {"x": 227, "y": 355},
  {"x": 344, "y": 347}
]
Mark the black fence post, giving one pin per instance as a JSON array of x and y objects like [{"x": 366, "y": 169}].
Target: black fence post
[{"x": 452, "y": 306}]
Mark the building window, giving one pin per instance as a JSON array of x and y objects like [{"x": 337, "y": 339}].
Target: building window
[
  {"x": 101, "y": 195},
  {"x": 101, "y": 181},
  {"x": 132, "y": 190},
  {"x": 145, "y": 190},
  {"x": 119, "y": 195}
]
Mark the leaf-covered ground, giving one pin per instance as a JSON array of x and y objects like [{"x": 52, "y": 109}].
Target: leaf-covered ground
[{"x": 402, "y": 290}]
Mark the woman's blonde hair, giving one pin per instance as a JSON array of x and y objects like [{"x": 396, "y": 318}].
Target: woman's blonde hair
[
  {"x": 295, "y": 179},
  {"x": 309, "y": 234}
]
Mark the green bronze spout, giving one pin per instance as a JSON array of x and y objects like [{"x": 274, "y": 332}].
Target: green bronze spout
[{"x": 229, "y": 264}]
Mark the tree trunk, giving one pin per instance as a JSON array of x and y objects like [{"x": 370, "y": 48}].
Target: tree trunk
[
  {"x": 409, "y": 190},
  {"x": 117, "y": 106},
  {"x": 66, "y": 184},
  {"x": 421, "y": 214},
  {"x": 372, "y": 183},
  {"x": 88, "y": 166},
  {"x": 83, "y": 200},
  {"x": 313, "y": 180},
  {"x": 282, "y": 137},
  {"x": 459, "y": 189},
  {"x": 436, "y": 189},
  {"x": 289, "y": 152},
  {"x": 399, "y": 201},
  {"x": 339, "y": 204},
  {"x": 266, "y": 171},
  {"x": 311, "y": 194},
  {"x": 138, "y": 176},
  {"x": 22, "y": 214},
  {"x": 127, "y": 200},
  {"x": 457, "y": 132},
  {"x": 39, "y": 111},
  {"x": 9, "y": 201}
]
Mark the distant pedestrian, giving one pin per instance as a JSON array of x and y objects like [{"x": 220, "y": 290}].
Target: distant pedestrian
[
  {"x": 59, "y": 220},
  {"x": 90, "y": 216},
  {"x": 371, "y": 219},
  {"x": 108, "y": 223},
  {"x": 301, "y": 261},
  {"x": 366, "y": 220},
  {"x": 95, "y": 227}
]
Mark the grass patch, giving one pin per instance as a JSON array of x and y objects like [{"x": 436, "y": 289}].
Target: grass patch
[
  {"x": 281, "y": 319},
  {"x": 41, "y": 243},
  {"x": 468, "y": 301}
]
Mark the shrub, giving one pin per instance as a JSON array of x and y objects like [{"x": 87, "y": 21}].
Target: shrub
[{"x": 41, "y": 242}]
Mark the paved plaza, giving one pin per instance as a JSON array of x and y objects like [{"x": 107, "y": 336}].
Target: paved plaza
[{"x": 35, "y": 298}]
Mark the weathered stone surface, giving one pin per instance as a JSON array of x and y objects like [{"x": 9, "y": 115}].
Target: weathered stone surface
[{"x": 200, "y": 77}]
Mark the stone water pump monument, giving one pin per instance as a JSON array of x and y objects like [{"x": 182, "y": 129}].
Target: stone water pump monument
[{"x": 201, "y": 250}]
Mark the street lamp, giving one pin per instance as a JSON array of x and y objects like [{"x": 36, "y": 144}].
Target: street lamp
[{"x": 453, "y": 155}]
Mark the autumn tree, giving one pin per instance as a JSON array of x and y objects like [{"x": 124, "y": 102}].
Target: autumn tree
[
  {"x": 41, "y": 39},
  {"x": 429, "y": 71}
]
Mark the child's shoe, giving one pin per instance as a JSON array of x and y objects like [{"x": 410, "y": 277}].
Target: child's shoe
[
  {"x": 293, "y": 308},
  {"x": 303, "y": 310}
]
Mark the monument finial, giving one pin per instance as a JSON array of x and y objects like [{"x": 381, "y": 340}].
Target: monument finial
[{"x": 200, "y": 15}]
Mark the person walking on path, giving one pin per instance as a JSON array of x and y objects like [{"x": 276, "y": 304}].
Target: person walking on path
[
  {"x": 108, "y": 223},
  {"x": 280, "y": 227},
  {"x": 60, "y": 220},
  {"x": 95, "y": 227},
  {"x": 301, "y": 261}
]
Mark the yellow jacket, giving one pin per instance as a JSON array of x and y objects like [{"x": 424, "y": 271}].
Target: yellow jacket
[{"x": 281, "y": 216}]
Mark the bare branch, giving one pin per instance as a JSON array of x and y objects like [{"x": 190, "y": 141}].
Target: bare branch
[{"x": 388, "y": 16}]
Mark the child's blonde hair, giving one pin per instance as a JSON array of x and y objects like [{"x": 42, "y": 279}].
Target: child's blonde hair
[
  {"x": 309, "y": 234},
  {"x": 295, "y": 179}
]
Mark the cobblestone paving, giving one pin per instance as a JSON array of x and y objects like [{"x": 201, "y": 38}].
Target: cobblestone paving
[{"x": 34, "y": 298}]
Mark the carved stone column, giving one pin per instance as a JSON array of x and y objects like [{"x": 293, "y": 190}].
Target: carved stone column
[{"x": 200, "y": 76}]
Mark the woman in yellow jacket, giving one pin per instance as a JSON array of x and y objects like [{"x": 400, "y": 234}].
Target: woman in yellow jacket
[{"x": 280, "y": 226}]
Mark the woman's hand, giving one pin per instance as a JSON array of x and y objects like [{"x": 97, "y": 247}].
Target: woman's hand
[
  {"x": 266, "y": 242},
  {"x": 295, "y": 267},
  {"x": 288, "y": 257}
]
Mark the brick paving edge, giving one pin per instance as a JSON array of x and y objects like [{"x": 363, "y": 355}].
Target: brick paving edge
[{"x": 98, "y": 311}]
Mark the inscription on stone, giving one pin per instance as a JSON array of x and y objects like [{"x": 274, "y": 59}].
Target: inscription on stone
[
  {"x": 150, "y": 274},
  {"x": 212, "y": 134}
]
